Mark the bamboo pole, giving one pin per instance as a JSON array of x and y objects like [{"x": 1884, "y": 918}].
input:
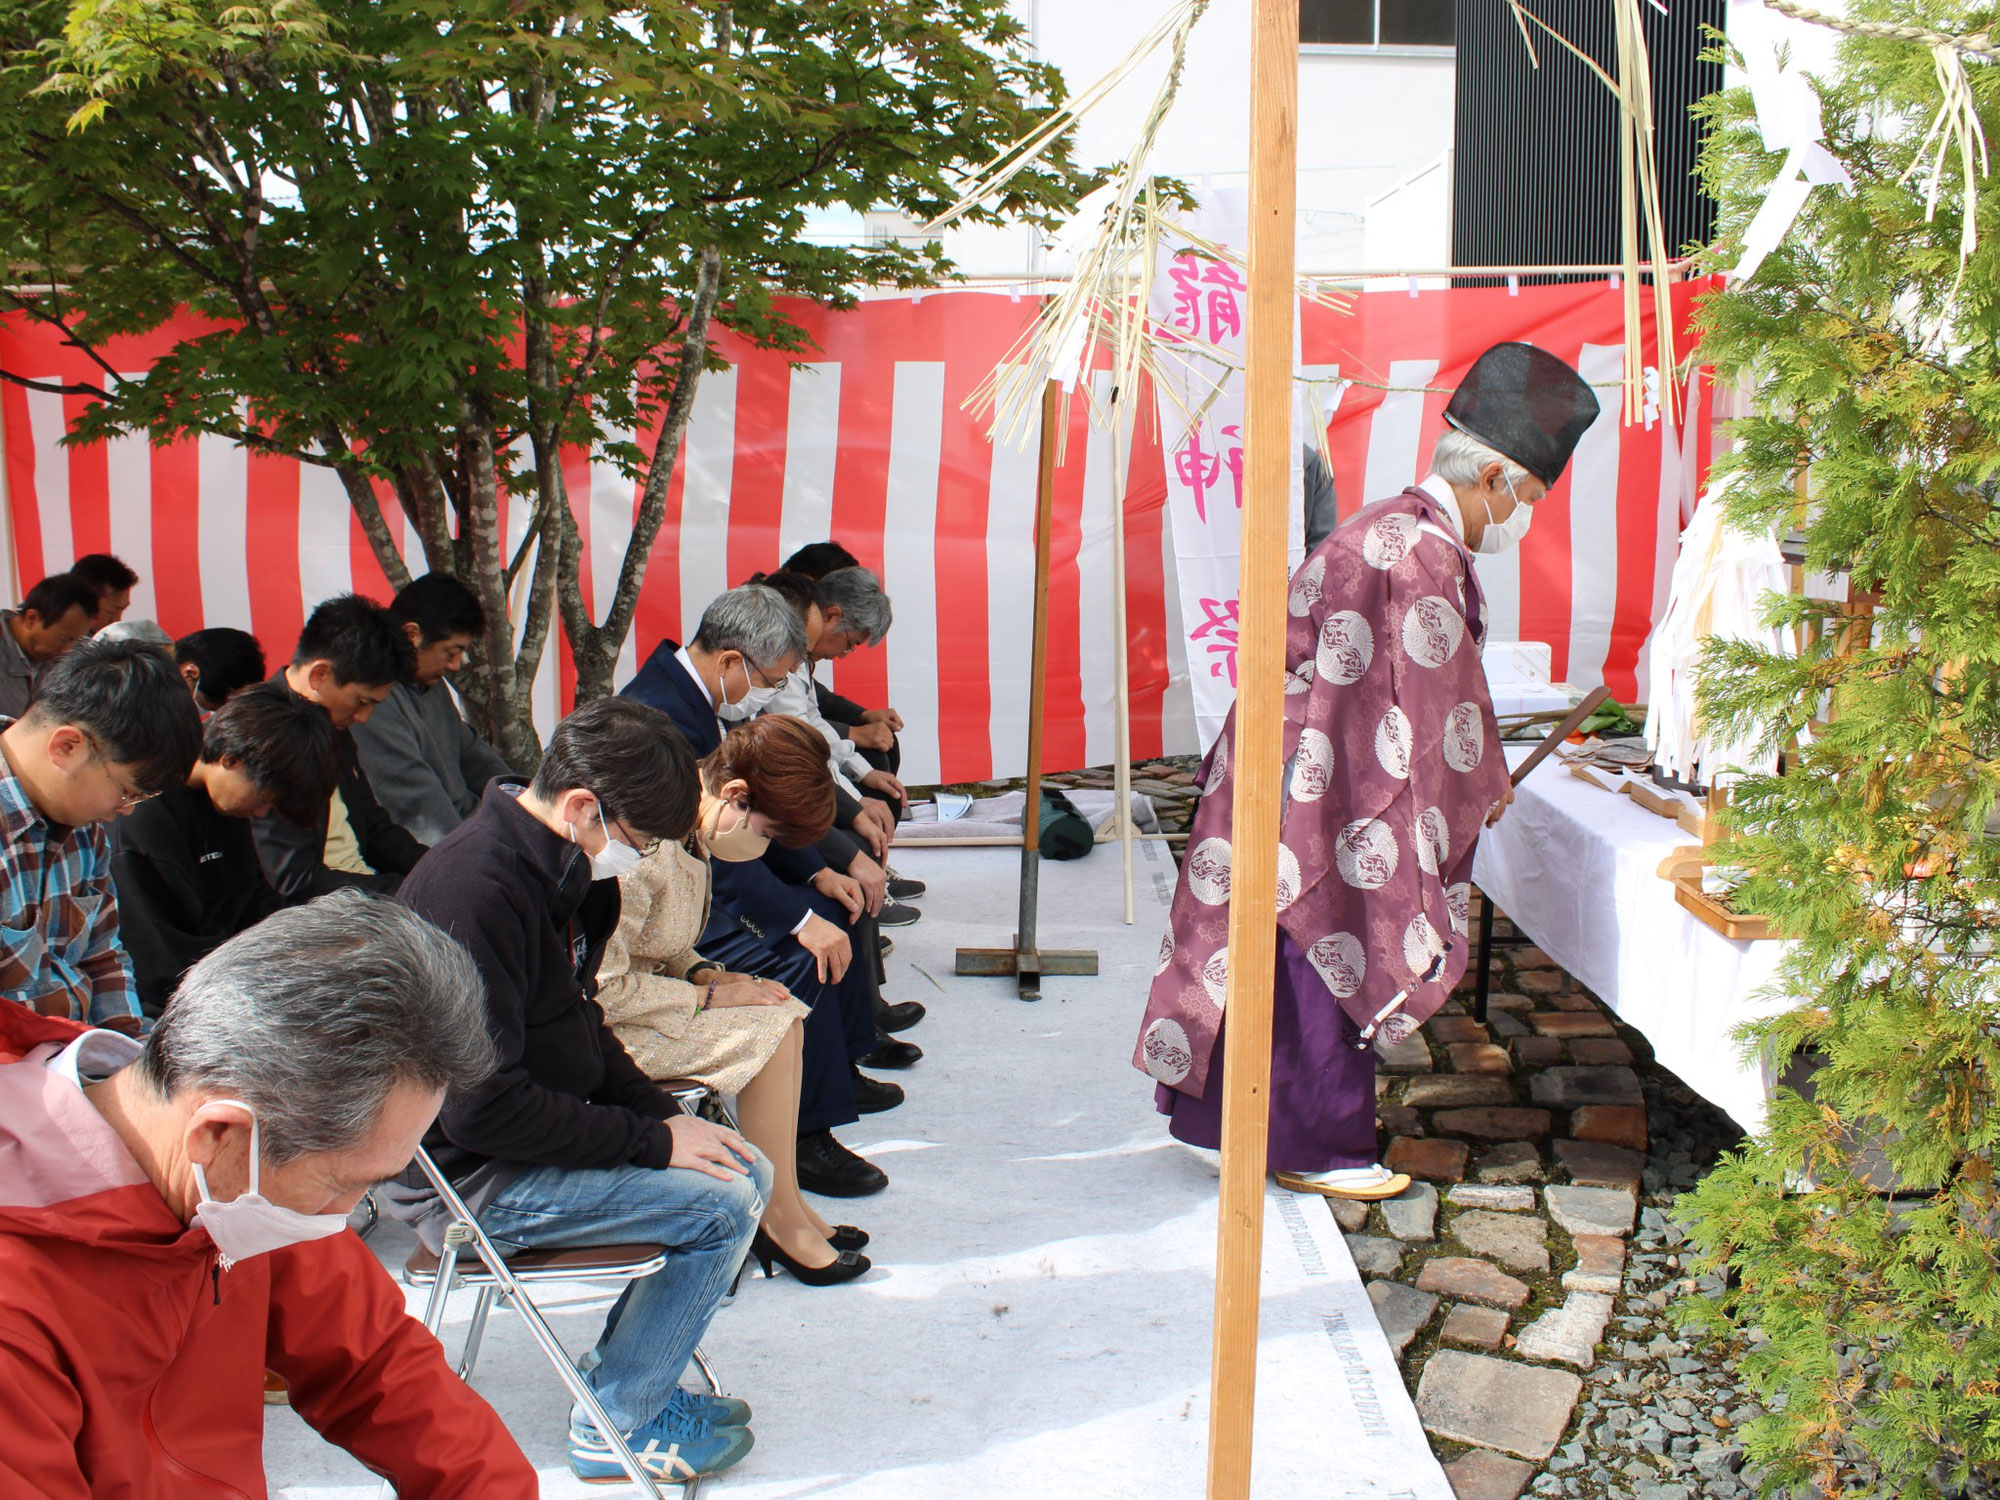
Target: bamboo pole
[{"x": 1260, "y": 672}]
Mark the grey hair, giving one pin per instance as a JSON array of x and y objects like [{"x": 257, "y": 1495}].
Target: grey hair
[
  {"x": 315, "y": 1014},
  {"x": 758, "y": 621},
  {"x": 1461, "y": 458},
  {"x": 857, "y": 594}
]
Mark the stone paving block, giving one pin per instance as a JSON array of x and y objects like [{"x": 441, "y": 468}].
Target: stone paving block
[
  {"x": 1480, "y": 1195},
  {"x": 1586, "y": 1210},
  {"x": 1593, "y": 1164},
  {"x": 1600, "y": 1052},
  {"x": 1542, "y": 982},
  {"x": 1349, "y": 1213},
  {"x": 1494, "y": 1403},
  {"x": 1483, "y": 1474},
  {"x": 1401, "y": 1310},
  {"x": 1468, "y": 1280},
  {"x": 1410, "y": 1055},
  {"x": 1456, "y": 1091},
  {"x": 1474, "y": 1327},
  {"x": 1456, "y": 1029},
  {"x": 1600, "y": 1265},
  {"x": 1412, "y": 1213},
  {"x": 1517, "y": 1241},
  {"x": 1565, "y": 1023},
  {"x": 1512, "y": 1161},
  {"x": 1570, "y": 999},
  {"x": 1531, "y": 957},
  {"x": 1569, "y": 1333},
  {"x": 1572, "y": 1088},
  {"x": 1375, "y": 1256},
  {"x": 1510, "y": 1002},
  {"x": 1613, "y": 1124},
  {"x": 1477, "y": 1057},
  {"x": 1506, "y": 1024},
  {"x": 1440, "y": 1161},
  {"x": 1398, "y": 1119},
  {"x": 1532, "y": 1052},
  {"x": 1493, "y": 1124}
]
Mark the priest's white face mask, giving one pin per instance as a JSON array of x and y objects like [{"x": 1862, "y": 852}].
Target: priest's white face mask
[{"x": 1503, "y": 536}]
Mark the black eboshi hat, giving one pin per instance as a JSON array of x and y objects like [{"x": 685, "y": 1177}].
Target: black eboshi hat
[{"x": 1527, "y": 404}]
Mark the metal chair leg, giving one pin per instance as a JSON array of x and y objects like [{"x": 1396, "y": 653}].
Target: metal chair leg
[
  {"x": 474, "y": 1334},
  {"x": 707, "y": 1371}
]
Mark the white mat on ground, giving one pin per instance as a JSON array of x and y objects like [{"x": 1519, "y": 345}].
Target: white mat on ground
[
  {"x": 1000, "y": 817},
  {"x": 1038, "y": 1320}
]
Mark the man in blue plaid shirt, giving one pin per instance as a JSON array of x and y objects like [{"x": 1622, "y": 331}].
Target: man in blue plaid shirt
[{"x": 111, "y": 724}]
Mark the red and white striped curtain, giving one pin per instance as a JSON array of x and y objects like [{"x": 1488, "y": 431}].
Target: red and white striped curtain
[{"x": 867, "y": 442}]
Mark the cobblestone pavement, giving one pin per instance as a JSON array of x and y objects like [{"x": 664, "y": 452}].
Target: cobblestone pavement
[{"x": 1525, "y": 1278}]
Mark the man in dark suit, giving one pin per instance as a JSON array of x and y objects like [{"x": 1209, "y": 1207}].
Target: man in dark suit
[{"x": 749, "y": 638}]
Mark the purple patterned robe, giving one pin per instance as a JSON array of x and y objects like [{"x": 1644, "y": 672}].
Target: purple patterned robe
[{"x": 1392, "y": 764}]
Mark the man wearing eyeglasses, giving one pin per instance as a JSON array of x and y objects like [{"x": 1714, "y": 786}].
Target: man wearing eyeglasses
[{"x": 110, "y": 726}]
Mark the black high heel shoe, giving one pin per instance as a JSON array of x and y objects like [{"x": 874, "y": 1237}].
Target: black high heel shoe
[
  {"x": 847, "y": 1237},
  {"x": 846, "y": 1266}
]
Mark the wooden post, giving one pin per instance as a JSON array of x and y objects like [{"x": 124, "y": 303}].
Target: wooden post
[
  {"x": 1026, "y": 959},
  {"x": 1045, "y": 510},
  {"x": 1121, "y": 778},
  {"x": 1260, "y": 673}
]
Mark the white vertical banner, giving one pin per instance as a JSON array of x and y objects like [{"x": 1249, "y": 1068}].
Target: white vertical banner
[{"x": 1203, "y": 301}]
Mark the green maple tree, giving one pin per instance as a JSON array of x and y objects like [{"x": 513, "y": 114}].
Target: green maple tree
[{"x": 442, "y": 240}]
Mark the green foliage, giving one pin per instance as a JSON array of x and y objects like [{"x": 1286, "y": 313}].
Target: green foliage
[
  {"x": 437, "y": 240},
  {"x": 1876, "y": 375}
]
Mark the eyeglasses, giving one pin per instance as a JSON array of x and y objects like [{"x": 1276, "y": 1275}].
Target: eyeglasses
[
  {"x": 649, "y": 847},
  {"x": 126, "y": 800}
]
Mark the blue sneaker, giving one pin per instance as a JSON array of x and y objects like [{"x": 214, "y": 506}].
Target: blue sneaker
[
  {"x": 723, "y": 1411},
  {"x": 676, "y": 1446}
]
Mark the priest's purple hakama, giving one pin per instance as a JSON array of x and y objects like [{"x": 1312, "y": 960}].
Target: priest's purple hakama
[{"x": 1392, "y": 764}]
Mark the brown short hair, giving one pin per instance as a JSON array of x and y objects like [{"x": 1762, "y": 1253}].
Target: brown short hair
[{"x": 784, "y": 763}]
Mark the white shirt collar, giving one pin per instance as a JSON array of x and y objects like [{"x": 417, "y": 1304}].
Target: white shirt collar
[
  {"x": 1441, "y": 491},
  {"x": 93, "y": 1057},
  {"x": 687, "y": 665}
]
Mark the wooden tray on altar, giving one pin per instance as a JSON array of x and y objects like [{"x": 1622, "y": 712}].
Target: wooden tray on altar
[{"x": 1743, "y": 926}]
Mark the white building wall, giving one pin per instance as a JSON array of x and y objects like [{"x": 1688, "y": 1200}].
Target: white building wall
[{"x": 1367, "y": 120}]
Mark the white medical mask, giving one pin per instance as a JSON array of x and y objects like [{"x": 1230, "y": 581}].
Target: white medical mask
[
  {"x": 250, "y": 1224},
  {"x": 752, "y": 702},
  {"x": 1503, "y": 536},
  {"x": 738, "y": 844},
  {"x": 615, "y": 858}
]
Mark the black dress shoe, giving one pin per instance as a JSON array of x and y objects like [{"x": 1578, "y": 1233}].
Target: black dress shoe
[
  {"x": 895, "y": 914},
  {"x": 902, "y": 888},
  {"x": 899, "y": 1017},
  {"x": 890, "y": 1053},
  {"x": 828, "y": 1168},
  {"x": 872, "y": 1095}
]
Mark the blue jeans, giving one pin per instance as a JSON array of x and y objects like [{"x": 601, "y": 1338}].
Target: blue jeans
[{"x": 706, "y": 1225}]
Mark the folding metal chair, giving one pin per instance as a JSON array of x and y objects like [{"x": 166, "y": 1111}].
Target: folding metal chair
[{"x": 497, "y": 1278}]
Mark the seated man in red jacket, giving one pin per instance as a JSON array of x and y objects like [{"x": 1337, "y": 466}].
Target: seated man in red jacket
[{"x": 173, "y": 1220}]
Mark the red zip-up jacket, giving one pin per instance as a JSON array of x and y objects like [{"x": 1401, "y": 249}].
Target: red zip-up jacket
[{"x": 131, "y": 1364}]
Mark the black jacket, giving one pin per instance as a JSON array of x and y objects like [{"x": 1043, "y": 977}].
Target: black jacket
[
  {"x": 769, "y": 893},
  {"x": 188, "y": 880},
  {"x": 295, "y": 858},
  {"x": 520, "y": 898}
]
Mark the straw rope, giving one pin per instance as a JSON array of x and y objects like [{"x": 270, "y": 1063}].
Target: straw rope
[{"x": 1972, "y": 43}]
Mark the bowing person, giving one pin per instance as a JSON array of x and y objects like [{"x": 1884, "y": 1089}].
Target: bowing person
[
  {"x": 683, "y": 1014},
  {"x": 184, "y": 862},
  {"x": 788, "y": 900},
  {"x": 1393, "y": 768}
]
